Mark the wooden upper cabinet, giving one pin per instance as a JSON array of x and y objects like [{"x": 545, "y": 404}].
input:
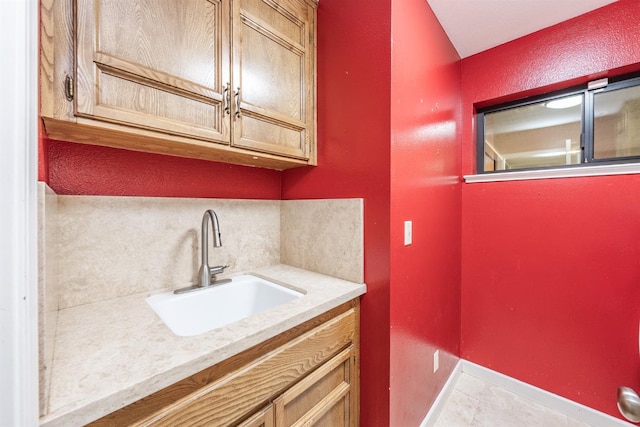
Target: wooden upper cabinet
[
  {"x": 273, "y": 76},
  {"x": 154, "y": 66},
  {"x": 226, "y": 80}
]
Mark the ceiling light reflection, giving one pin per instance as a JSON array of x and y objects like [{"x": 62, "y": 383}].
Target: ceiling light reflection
[{"x": 567, "y": 102}]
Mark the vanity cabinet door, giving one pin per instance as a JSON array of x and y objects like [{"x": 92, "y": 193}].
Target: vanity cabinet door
[
  {"x": 154, "y": 65},
  {"x": 324, "y": 398},
  {"x": 273, "y": 77}
]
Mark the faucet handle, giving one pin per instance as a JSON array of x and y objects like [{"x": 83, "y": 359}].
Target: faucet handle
[{"x": 217, "y": 269}]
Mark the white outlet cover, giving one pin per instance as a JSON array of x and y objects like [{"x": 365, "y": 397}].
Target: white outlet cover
[
  {"x": 436, "y": 361},
  {"x": 408, "y": 233}
]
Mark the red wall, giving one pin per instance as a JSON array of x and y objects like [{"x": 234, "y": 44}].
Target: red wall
[
  {"x": 84, "y": 169},
  {"x": 425, "y": 188},
  {"x": 551, "y": 268},
  {"x": 353, "y": 157}
]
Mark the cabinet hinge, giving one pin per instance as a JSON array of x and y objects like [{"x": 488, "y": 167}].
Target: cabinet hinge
[{"x": 68, "y": 87}]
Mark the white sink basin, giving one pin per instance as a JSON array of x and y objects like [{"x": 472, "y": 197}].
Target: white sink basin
[{"x": 202, "y": 310}]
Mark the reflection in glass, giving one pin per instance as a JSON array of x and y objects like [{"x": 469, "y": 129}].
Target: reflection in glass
[
  {"x": 617, "y": 123},
  {"x": 535, "y": 135}
]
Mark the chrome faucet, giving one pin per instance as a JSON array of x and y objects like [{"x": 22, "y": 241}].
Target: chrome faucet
[{"x": 206, "y": 274}]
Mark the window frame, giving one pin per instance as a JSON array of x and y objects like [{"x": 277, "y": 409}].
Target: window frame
[{"x": 588, "y": 91}]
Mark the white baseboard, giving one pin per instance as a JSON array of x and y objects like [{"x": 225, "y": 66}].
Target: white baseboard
[
  {"x": 552, "y": 401},
  {"x": 441, "y": 400}
]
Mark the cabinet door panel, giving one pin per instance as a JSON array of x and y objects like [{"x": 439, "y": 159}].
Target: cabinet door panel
[
  {"x": 154, "y": 66},
  {"x": 279, "y": 16},
  {"x": 337, "y": 415},
  {"x": 273, "y": 72},
  {"x": 129, "y": 101},
  {"x": 258, "y": 132},
  {"x": 322, "y": 398}
]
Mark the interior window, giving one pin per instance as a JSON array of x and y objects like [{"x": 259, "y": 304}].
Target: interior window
[
  {"x": 536, "y": 135},
  {"x": 617, "y": 123},
  {"x": 596, "y": 124}
]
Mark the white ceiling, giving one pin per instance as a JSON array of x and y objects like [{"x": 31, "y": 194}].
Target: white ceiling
[{"x": 477, "y": 25}]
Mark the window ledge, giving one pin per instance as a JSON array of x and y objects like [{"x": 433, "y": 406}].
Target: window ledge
[{"x": 599, "y": 170}]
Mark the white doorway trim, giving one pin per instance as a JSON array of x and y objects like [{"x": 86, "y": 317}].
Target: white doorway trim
[{"x": 18, "y": 213}]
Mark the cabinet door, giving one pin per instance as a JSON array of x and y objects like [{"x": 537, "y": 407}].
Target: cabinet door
[
  {"x": 154, "y": 65},
  {"x": 273, "y": 61},
  {"x": 324, "y": 398}
]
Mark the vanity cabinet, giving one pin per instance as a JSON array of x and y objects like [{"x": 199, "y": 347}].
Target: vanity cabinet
[
  {"x": 306, "y": 376},
  {"x": 226, "y": 80}
]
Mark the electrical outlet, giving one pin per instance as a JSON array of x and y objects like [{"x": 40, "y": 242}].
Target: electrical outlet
[
  {"x": 436, "y": 361},
  {"x": 408, "y": 233}
]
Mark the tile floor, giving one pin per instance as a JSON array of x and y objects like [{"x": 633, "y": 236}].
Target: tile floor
[{"x": 476, "y": 403}]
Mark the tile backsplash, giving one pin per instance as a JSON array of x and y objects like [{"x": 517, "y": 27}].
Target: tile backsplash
[
  {"x": 116, "y": 246},
  {"x": 48, "y": 290},
  {"x": 325, "y": 236},
  {"x": 109, "y": 246}
]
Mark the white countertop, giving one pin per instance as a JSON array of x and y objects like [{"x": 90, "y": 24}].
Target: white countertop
[{"x": 109, "y": 354}]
